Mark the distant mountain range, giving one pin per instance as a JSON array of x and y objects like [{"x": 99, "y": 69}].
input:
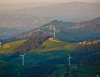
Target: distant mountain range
[
  {"x": 68, "y": 31},
  {"x": 20, "y": 20},
  {"x": 7, "y": 7},
  {"x": 11, "y": 24},
  {"x": 73, "y": 12}
]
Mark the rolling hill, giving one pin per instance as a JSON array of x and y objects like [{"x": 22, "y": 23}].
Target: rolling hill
[
  {"x": 54, "y": 62},
  {"x": 49, "y": 58},
  {"x": 68, "y": 31},
  {"x": 50, "y": 44},
  {"x": 8, "y": 47},
  {"x": 53, "y": 51}
]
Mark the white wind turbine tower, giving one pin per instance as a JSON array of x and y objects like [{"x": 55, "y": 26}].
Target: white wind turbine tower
[
  {"x": 23, "y": 59},
  {"x": 69, "y": 59},
  {"x": 54, "y": 34}
]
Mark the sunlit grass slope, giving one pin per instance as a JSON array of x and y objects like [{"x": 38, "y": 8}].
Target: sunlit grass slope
[
  {"x": 8, "y": 47},
  {"x": 56, "y": 44},
  {"x": 49, "y": 45}
]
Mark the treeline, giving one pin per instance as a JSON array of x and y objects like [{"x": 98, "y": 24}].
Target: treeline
[
  {"x": 88, "y": 54},
  {"x": 8, "y": 69}
]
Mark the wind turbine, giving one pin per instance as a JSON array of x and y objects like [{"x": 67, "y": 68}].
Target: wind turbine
[
  {"x": 54, "y": 34},
  {"x": 69, "y": 59},
  {"x": 23, "y": 59}
]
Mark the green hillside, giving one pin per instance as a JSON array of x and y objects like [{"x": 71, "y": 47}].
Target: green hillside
[
  {"x": 76, "y": 71},
  {"x": 55, "y": 44},
  {"x": 8, "y": 47},
  {"x": 49, "y": 45},
  {"x": 47, "y": 70},
  {"x": 48, "y": 64}
]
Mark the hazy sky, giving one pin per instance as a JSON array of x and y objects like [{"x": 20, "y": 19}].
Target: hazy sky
[{"x": 39, "y": 1}]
